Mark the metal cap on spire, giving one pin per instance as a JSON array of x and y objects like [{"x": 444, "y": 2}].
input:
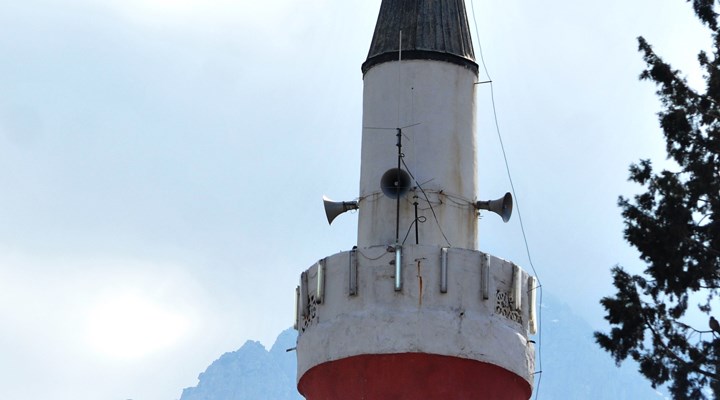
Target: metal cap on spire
[{"x": 432, "y": 30}]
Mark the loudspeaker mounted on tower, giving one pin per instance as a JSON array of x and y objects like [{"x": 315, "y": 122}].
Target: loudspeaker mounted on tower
[
  {"x": 502, "y": 206},
  {"x": 335, "y": 208}
]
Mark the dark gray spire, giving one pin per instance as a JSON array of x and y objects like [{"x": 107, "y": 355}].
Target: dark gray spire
[{"x": 431, "y": 30}]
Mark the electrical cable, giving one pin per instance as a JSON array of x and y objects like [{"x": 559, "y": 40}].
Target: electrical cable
[
  {"x": 428, "y": 201},
  {"x": 538, "y": 372},
  {"x": 384, "y": 253},
  {"x": 421, "y": 219}
]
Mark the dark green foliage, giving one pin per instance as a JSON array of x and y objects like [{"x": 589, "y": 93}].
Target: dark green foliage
[{"x": 675, "y": 225}]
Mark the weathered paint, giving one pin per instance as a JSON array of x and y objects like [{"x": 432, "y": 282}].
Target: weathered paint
[
  {"x": 436, "y": 102},
  {"x": 432, "y": 30},
  {"x": 420, "y": 319}
]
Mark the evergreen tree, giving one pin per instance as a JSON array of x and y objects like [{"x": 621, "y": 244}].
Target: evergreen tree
[{"x": 675, "y": 225}]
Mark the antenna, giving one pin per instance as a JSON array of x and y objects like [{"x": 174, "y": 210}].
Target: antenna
[
  {"x": 397, "y": 201},
  {"x": 399, "y": 76},
  {"x": 399, "y": 140}
]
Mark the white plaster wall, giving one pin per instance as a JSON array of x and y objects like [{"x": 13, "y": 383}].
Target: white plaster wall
[
  {"x": 438, "y": 100},
  {"x": 379, "y": 320}
]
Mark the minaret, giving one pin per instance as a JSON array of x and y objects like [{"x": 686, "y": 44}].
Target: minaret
[{"x": 415, "y": 311}]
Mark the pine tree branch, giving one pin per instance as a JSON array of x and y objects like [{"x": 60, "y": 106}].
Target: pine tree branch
[
  {"x": 666, "y": 350},
  {"x": 684, "y": 325}
]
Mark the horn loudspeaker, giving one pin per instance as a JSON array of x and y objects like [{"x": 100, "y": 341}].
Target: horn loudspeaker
[
  {"x": 395, "y": 182},
  {"x": 335, "y": 208},
  {"x": 502, "y": 206}
]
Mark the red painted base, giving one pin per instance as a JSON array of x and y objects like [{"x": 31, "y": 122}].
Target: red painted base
[{"x": 411, "y": 376}]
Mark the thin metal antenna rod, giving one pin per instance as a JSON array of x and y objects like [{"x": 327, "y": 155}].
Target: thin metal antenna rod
[
  {"x": 399, "y": 143},
  {"x": 399, "y": 76},
  {"x": 400, "y": 47},
  {"x": 397, "y": 184},
  {"x": 417, "y": 230}
]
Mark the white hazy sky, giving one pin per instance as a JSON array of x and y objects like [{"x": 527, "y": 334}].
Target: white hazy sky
[{"x": 162, "y": 164}]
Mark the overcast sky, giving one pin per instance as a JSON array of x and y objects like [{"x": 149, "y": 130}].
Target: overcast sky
[{"x": 162, "y": 165}]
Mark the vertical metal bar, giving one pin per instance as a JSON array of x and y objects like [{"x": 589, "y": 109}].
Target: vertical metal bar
[
  {"x": 304, "y": 294},
  {"x": 443, "y": 270},
  {"x": 297, "y": 307},
  {"x": 398, "y": 268},
  {"x": 517, "y": 287},
  {"x": 397, "y": 186},
  {"x": 532, "y": 303},
  {"x": 353, "y": 273},
  {"x": 417, "y": 229},
  {"x": 320, "y": 294},
  {"x": 400, "y": 46},
  {"x": 485, "y": 276}
]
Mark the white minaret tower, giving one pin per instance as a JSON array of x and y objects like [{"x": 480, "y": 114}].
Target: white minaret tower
[{"x": 415, "y": 311}]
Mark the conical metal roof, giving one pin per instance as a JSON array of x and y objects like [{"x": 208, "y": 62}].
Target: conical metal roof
[{"x": 431, "y": 30}]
